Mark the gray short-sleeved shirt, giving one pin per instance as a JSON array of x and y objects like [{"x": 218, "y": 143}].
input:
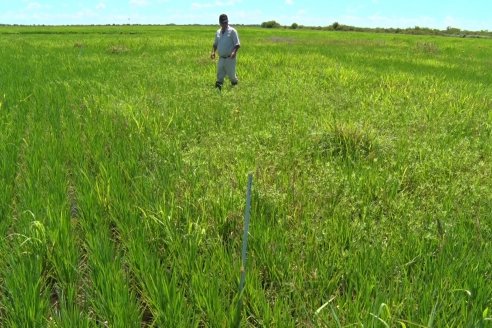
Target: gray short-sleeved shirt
[{"x": 225, "y": 42}]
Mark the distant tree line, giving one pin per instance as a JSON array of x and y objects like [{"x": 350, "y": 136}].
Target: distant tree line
[{"x": 449, "y": 31}]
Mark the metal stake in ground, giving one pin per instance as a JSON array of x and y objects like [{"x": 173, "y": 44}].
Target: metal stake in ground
[{"x": 245, "y": 246}]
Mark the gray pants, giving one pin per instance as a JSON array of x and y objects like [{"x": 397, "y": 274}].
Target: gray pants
[{"x": 226, "y": 67}]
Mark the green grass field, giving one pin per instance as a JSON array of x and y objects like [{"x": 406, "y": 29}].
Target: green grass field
[{"x": 123, "y": 179}]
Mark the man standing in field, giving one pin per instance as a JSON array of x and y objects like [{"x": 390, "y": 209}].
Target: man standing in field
[{"x": 227, "y": 43}]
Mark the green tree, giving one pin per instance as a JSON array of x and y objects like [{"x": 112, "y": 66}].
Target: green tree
[{"x": 270, "y": 24}]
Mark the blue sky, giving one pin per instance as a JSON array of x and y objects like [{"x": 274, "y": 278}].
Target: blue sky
[{"x": 471, "y": 14}]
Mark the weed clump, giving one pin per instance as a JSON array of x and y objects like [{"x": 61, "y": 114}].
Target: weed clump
[
  {"x": 118, "y": 49},
  {"x": 427, "y": 48},
  {"x": 346, "y": 142}
]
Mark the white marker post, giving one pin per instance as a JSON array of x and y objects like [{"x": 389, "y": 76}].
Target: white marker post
[{"x": 245, "y": 247}]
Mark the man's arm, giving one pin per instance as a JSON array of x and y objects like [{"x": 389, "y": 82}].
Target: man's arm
[
  {"x": 234, "y": 51},
  {"x": 237, "y": 43},
  {"x": 214, "y": 49}
]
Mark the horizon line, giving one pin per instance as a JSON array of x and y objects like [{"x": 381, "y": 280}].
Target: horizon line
[{"x": 299, "y": 26}]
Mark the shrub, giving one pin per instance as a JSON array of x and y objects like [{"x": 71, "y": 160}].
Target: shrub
[{"x": 270, "y": 24}]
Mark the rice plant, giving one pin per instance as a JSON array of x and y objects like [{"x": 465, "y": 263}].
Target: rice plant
[{"x": 123, "y": 174}]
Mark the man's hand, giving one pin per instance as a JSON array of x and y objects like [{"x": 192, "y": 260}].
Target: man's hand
[
  {"x": 212, "y": 55},
  {"x": 233, "y": 55}
]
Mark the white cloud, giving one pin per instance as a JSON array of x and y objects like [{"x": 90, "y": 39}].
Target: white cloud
[
  {"x": 289, "y": 2},
  {"x": 355, "y": 9},
  {"x": 34, "y": 6},
  {"x": 101, "y": 6},
  {"x": 216, "y": 4},
  {"x": 196, "y": 5},
  {"x": 139, "y": 3}
]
